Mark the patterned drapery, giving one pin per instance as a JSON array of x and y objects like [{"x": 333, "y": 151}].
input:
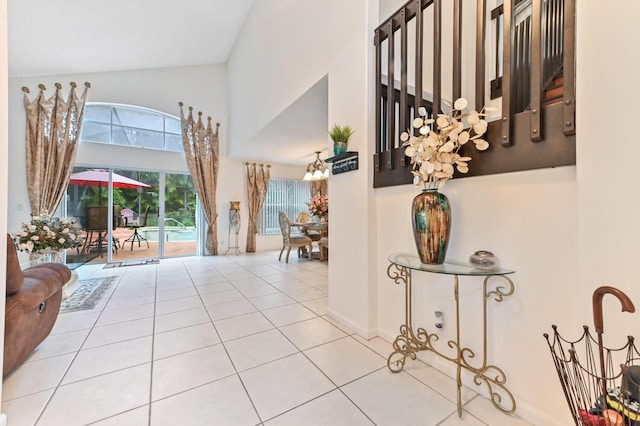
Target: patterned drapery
[
  {"x": 53, "y": 130},
  {"x": 257, "y": 186},
  {"x": 201, "y": 146}
]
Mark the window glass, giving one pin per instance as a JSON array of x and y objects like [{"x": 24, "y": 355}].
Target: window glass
[
  {"x": 96, "y": 132},
  {"x": 132, "y": 126},
  {"x": 137, "y": 118},
  {"x": 288, "y": 195},
  {"x": 99, "y": 113}
]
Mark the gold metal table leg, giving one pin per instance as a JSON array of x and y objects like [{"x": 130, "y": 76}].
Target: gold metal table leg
[{"x": 409, "y": 342}]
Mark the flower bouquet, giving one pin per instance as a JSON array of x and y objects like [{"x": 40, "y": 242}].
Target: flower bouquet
[
  {"x": 434, "y": 151},
  {"x": 319, "y": 206},
  {"x": 47, "y": 233}
]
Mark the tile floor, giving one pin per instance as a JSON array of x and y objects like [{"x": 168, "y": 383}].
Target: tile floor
[{"x": 226, "y": 340}]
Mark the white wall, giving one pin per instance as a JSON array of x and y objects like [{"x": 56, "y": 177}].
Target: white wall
[
  {"x": 4, "y": 173},
  {"x": 283, "y": 50},
  {"x": 608, "y": 202}
]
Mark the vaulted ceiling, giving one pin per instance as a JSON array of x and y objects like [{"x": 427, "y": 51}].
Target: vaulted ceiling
[{"x": 146, "y": 34}]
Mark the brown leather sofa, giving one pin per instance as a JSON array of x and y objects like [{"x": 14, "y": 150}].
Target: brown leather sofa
[{"x": 32, "y": 306}]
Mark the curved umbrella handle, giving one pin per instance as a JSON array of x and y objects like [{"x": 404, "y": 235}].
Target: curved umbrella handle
[{"x": 627, "y": 305}]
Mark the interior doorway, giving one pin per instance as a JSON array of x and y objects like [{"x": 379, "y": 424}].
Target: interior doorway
[{"x": 132, "y": 215}]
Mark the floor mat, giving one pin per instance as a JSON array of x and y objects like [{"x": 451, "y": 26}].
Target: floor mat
[
  {"x": 87, "y": 294},
  {"x": 131, "y": 263}
]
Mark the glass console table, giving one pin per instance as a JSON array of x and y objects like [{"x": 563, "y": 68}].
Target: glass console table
[{"x": 412, "y": 340}]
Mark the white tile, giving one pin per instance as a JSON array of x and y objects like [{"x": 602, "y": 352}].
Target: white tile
[
  {"x": 288, "y": 314},
  {"x": 98, "y": 398},
  {"x": 181, "y": 319},
  {"x": 271, "y": 300},
  {"x": 378, "y": 344},
  {"x": 305, "y": 294},
  {"x": 59, "y": 344},
  {"x": 221, "y": 297},
  {"x": 319, "y": 306},
  {"x": 183, "y": 340},
  {"x": 283, "y": 384},
  {"x": 290, "y": 285},
  {"x": 176, "y": 305},
  {"x": 330, "y": 409},
  {"x": 484, "y": 410},
  {"x": 243, "y": 325},
  {"x": 466, "y": 420},
  {"x": 122, "y": 314},
  {"x": 258, "y": 290},
  {"x": 257, "y": 349},
  {"x": 221, "y": 403},
  {"x": 66, "y": 322},
  {"x": 136, "y": 417},
  {"x": 345, "y": 360},
  {"x": 25, "y": 410},
  {"x": 178, "y": 293},
  {"x": 178, "y": 373},
  {"x": 398, "y": 399},
  {"x": 35, "y": 376},
  {"x": 105, "y": 359},
  {"x": 438, "y": 381},
  {"x": 119, "y": 332},
  {"x": 313, "y": 332},
  {"x": 230, "y": 309},
  {"x": 213, "y": 288}
]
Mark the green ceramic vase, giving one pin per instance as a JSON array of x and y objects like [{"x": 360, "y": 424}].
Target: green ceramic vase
[
  {"x": 431, "y": 215},
  {"x": 339, "y": 148}
]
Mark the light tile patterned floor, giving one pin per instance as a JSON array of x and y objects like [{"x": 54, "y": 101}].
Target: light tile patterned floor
[{"x": 227, "y": 340}]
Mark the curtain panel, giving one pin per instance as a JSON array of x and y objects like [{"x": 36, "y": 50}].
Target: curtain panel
[
  {"x": 257, "y": 186},
  {"x": 201, "y": 148},
  {"x": 53, "y": 132}
]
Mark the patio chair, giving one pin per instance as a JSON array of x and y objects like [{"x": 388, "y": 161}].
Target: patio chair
[{"x": 135, "y": 226}]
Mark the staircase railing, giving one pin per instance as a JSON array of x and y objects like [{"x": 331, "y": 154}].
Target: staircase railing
[{"x": 537, "y": 40}]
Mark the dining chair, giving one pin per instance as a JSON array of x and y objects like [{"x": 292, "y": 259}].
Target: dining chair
[{"x": 288, "y": 240}]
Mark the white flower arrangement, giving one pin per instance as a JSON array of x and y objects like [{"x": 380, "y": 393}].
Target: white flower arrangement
[
  {"x": 434, "y": 153},
  {"x": 47, "y": 233}
]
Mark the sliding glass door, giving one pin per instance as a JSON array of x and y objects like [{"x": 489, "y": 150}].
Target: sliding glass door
[{"x": 131, "y": 215}]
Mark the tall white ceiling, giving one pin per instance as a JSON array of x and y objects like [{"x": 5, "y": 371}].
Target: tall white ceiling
[{"x": 120, "y": 34}]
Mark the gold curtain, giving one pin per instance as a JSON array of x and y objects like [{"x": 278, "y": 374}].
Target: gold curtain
[
  {"x": 53, "y": 130},
  {"x": 257, "y": 186},
  {"x": 201, "y": 146}
]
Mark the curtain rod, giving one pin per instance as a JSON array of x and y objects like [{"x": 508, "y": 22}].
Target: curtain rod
[
  {"x": 180, "y": 104},
  {"x": 41, "y": 86}
]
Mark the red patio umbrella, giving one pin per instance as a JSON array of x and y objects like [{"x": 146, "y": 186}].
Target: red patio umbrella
[{"x": 100, "y": 178}]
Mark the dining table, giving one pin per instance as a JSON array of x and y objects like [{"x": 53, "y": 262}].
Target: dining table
[{"x": 306, "y": 227}]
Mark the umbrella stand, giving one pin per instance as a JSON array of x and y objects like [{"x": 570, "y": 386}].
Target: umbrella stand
[{"x": 600, "y": 384}]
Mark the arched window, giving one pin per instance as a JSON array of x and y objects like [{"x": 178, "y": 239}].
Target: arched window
[{"x": 129, "y": 125}]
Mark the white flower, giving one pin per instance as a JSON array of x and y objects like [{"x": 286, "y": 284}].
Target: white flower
[{"x": 434, "y": 151}]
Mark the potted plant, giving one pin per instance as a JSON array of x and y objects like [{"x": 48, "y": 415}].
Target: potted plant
[{"x": 340, "y": 136}]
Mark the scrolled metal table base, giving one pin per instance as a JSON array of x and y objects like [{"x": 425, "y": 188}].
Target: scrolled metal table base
[{"x": 412, "y": 340}]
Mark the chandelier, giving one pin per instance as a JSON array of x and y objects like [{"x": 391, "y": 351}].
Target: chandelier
[{"x": 316, "y": 170}]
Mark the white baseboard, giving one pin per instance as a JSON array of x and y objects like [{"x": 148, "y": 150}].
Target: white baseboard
[{"x": 369, "y": 333}]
